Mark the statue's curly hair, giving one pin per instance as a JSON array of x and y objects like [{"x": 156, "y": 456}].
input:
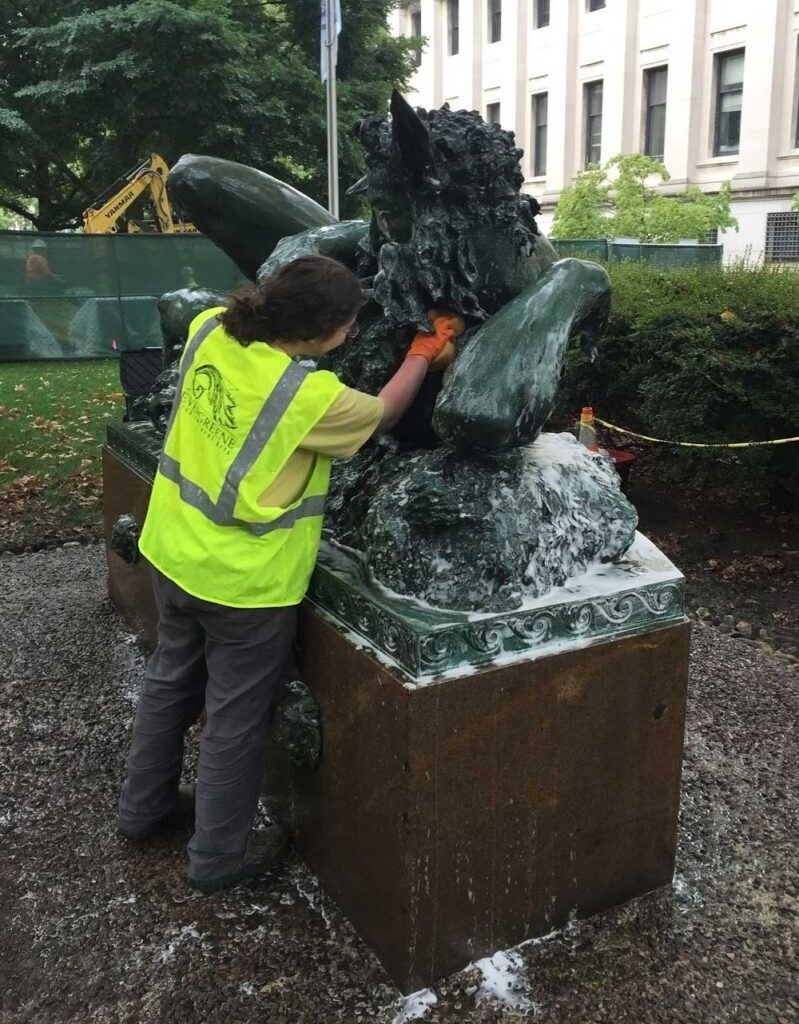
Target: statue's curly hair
[{"x": 450, "y": 172}]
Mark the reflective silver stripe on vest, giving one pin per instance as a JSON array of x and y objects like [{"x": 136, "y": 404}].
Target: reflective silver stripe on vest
[
  {"x": 188, "y": 358},
  {"x": 307, "y": 509},
  {"x": 274, "y": 408},
  {"x": 195, "y": 496},
  {"x": 191, "y": 493}
]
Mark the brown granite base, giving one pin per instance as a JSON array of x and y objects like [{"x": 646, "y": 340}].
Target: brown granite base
[
  {"x": 457, "y": 818},
  {"x": 126, "y": 491},
  {"x": 453, "y": 819}
]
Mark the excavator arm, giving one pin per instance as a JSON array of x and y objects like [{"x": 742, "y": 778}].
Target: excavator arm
[{"x": 103, "y": 215}]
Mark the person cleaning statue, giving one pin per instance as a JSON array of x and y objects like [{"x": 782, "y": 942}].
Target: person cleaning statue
[{"x": 232, "y": 533}]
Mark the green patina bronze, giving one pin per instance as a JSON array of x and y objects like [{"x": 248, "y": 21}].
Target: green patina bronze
[
  {"x": 124, "y": 539},
  {"x": 297, "y": 726},
  {"x": 467, "y": 506},
  {"x": 244, "y": 211}
]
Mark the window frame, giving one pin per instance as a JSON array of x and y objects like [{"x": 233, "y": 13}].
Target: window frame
[
  {"x": 589, "y": 91},
  {"x": 489, "y": 107},
  {"x": 538, "y": 167},
  {"x": 453, "y": 28},
  {"x": 494, "y": 21},
  {"x": 414, "y": 15},
  {"x": 719, "y": 59},
  {"x": 794, "y": 129},
  {"x": 649, "y": 107}
]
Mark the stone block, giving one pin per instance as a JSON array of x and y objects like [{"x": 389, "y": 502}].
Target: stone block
[
  {"x": 455, "y": 817},
  {"x": 126, "y": 491}
]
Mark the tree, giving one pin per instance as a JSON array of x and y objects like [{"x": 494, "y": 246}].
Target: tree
[
  {"x": 88, "y": 89},
  {"x": 622, "y": 198},
  {"x": 581, "y": 210}
]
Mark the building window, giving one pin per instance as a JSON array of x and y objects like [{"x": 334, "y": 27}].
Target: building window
[
  {"x": 454, "y": 26},
  {"x": 729, "y": 100},
  {"x": 492, "y": 113},
  {"x": 592, "y": 104},
  {"x": 494, "y": 21},
  {"x": 416, "y": 33},
  {"x": 796, "y": 137},
  {"x": 540, "y": 105},
  {"x": 795, "y": 103},
  {"x": 782, "y": 237},
  {"x": 541, "y": 14},
  {"x": 596, "y": 5},
  {"x": 655, "y": 82},
  {"x": 710, "y": 237}
]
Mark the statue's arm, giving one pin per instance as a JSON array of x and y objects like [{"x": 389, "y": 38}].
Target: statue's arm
[
  {"x": 501, "y": 389},
  {"x": 339, "y": 241}
]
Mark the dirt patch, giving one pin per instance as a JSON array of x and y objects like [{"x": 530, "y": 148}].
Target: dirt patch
[
  {"x": 98, "y": 932},
  {"x": 740, "y": 564}
]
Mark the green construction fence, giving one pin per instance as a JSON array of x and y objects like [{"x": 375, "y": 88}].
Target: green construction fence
[
  {"x": 659, "y": 254},
  {"x": 96, "y": 295}
]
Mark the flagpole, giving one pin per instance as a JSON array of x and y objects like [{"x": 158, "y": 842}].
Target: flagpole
[{"x": 332, "y": 112}]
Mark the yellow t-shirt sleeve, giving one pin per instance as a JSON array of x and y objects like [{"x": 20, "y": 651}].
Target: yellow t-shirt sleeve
[{"x": 346, "y": 426}]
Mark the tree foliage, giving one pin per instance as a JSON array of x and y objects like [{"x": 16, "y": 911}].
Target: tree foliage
[
  {"x": 89, "y": 89},
  {"x": 582, "y": 211},
  {"x": 622, "y": 199}
]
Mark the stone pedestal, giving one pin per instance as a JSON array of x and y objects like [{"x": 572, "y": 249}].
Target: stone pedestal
[
  {"x": 458, "y": 814},
  {"x": 483, "y": 777},
  {"x": 454, "y": 819},
  {"x": 127, "y": 482}
]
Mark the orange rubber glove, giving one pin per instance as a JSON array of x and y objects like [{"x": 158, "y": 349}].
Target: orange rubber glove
[{"x": 438, "y": 348}]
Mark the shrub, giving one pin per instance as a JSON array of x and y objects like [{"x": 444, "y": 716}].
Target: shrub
[{"x": 701, "y": 354}]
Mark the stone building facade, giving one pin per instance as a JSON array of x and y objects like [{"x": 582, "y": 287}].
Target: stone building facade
[{"x": 709, "y": 86}]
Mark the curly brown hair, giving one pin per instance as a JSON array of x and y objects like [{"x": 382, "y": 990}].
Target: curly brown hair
[{"x": 311, "y": 297}]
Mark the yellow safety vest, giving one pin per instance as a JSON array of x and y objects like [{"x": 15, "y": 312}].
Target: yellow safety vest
[{"x": 239, "y": 415}]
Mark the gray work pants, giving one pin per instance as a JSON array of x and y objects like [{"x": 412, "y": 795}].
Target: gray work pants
[{"x": 232, "y": 661}]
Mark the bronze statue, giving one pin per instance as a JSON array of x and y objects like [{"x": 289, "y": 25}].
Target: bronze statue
[{"x": 467, "y": 506}]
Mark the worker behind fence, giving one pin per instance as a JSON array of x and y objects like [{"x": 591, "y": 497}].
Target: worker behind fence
[
  {"x": 232, "y": 532},
  {"x": 39, "y": 276}
]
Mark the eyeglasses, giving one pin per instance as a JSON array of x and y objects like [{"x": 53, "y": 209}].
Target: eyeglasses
[{"x": 354, "y": 331}]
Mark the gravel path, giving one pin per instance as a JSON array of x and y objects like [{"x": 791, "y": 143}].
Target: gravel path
[{"x": 92, "y": 930}]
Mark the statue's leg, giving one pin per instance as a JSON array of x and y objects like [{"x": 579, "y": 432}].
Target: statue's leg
[
  {"x": 242, "y": 210},
  {"x": 501, "y": 390}
]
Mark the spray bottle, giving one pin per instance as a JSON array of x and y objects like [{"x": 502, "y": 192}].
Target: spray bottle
[{"x": 586, "y": 431}]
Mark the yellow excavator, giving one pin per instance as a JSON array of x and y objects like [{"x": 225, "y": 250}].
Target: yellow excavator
[{"x": 105, "y": 213}]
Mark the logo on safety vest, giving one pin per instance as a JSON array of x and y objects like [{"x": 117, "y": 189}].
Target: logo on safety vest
[
  {"x": 208, "y": 400},
  {"x": 208, "y": 386}
]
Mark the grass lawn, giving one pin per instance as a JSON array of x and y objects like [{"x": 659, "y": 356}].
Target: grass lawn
[{"x": 52, "y": 423}]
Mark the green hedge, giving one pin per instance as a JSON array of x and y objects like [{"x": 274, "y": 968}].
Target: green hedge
[{"x": 701, "y": 354}]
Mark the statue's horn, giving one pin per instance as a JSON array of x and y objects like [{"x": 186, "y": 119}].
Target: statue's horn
[
  {"x": 410, "y": 135},
  {"x": 358, "y": 187}
]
